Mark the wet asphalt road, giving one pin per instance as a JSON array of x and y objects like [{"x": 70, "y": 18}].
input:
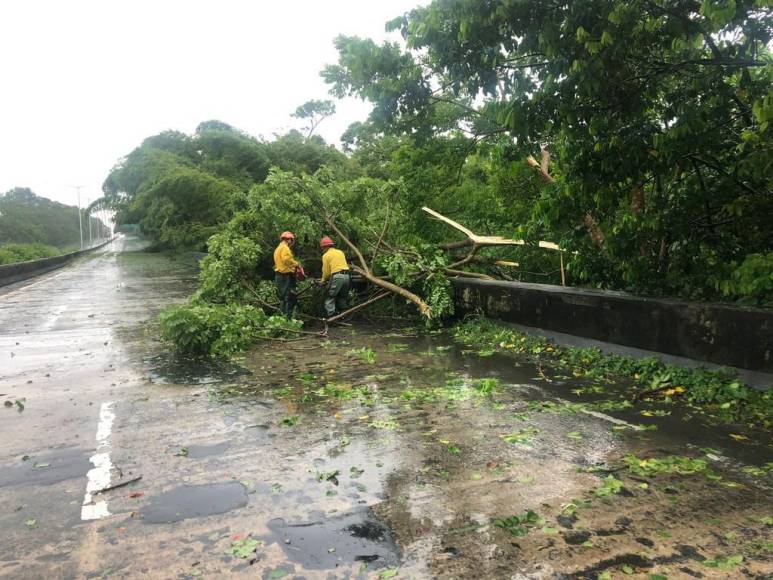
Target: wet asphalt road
[
  {"x": 68, "y": 344},
  {"x": 95, "y": 408},
  {"x": 327, "y": 464}
]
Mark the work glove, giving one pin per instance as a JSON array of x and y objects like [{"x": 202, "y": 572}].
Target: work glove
[{"x": 300, "y": 273}]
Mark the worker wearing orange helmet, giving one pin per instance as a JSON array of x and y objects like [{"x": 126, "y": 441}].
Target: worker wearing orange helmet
[
  {"x": 286, "y": 269},
  {"x": 335, "y": 277}
]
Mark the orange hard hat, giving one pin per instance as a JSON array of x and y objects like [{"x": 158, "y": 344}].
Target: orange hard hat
[
  {"x": 287, "y": 236},
  {"x": 326, "y": 242}
]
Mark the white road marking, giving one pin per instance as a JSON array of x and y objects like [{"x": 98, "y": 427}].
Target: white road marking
[
  {"x": 99, "y": 476},
  {"x": 612, "y": 419}
]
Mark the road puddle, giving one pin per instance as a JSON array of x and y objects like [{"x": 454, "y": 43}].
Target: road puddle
[
  {"x": 354, "y": 538},
  {"x": 194, "y": 501},
  {"x": 46, "y": 468},
  {"x": 167, "y": 368},
  {"x": 202, "y": 451}
]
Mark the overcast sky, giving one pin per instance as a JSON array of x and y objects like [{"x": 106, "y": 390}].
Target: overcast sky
[{"x": 83, "y": 82}]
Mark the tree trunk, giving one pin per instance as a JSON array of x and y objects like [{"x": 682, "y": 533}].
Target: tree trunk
[{"x": 594, "y": 230}]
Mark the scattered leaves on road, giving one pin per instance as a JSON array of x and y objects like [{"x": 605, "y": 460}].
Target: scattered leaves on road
[
  {"x": 723, "y": 563},
  {"x": 331, "y": 476},
  {"x": 290, "y": 421},
  {"x": 366, "y": 354},
  {"x": 519, "y": 525},
  {"x": 611, "y": 486},
  {"x": 521, "y": 436},
  {"x": 244, "y": 548}
]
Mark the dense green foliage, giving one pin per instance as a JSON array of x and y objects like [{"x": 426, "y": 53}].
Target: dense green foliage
[
  {"x": 181, "y": 189},
  {"x": 752, "y": 279},
  {"x": 719, "y": 393},
  {"x": 201, "y": 328},
  {"x": 26, "y": 218},
  {"x": 12, "y": 253},
  {"x": 657, "y": 115}
]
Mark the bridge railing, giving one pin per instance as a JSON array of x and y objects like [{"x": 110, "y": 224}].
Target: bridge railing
[{"x": 11, "y": 273}]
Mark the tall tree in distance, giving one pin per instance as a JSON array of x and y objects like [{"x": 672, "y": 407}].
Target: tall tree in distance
[
  {"x": 181, "y": 189},
  {"x": 315, "y": 111},
  {"x": 27, "y": 218}
]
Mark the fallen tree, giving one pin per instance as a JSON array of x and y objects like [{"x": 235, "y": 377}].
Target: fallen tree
[
  {"x": 370, "y": 219},
  {"x": 474, "y": 241}
]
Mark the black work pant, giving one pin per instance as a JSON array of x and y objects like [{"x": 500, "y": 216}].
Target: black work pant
[{"x": 287, "y": 292}]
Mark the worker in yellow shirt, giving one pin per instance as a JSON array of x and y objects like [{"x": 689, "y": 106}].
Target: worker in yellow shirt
[
  {"x": 286, "y": 268},
  {"x": 335, "y": 277}
]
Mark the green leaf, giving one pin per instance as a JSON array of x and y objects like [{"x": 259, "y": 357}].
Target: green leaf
[
  {"x": 244, "y": 548},
  {"x": 611, "y": 486},
  {"x": 723, "y": 563}
]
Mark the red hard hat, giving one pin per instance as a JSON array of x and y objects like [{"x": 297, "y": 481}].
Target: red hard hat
[
  {"x": 326, "y": 242},
  {"x": 287, "y": 236}
]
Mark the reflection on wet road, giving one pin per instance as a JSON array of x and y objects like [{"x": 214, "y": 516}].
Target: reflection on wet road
[{"x": 374, "y": 454}]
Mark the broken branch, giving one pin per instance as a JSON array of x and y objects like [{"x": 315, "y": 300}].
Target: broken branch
[
  {"x": 117, "y": 485},
  {"x": 380, "y": 238},
  {"x": 465, "y": 274},
  {"x": 423, "y": 307},
  {"x": 533, "y": 163},
  {"x": 477, "y": 240},
  {"x": 348, "y": 242},
  {"x": 354, "y": 309}
]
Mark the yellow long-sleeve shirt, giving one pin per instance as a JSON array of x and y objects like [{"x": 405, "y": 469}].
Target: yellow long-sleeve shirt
[
  {"x": 333, "y": 261},
  {"x": 284, "y": 261}
]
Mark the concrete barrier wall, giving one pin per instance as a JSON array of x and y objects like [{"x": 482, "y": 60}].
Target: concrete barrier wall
[
  {"x": 10, "y": 273},
  {"x": 716, "y": 333}
]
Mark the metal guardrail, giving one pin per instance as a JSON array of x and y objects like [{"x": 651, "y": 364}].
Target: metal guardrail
[{"x": 11, "y": 273}]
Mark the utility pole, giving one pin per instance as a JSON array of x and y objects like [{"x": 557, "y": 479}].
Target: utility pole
[
  {"x": 88, "y": 217},
  {"x": 78, "y": 188}
]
